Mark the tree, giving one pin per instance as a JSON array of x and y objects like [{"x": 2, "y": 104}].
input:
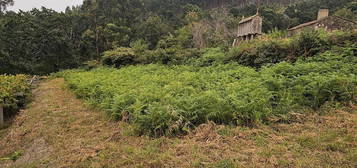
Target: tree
[
  {"x": 346, "y": 13},
  {"x": 5, "y": 3},
  {"x": 305, "y": 11},
  {"x": 38, "y": 42}
]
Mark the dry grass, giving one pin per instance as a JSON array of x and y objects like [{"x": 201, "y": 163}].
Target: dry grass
[{"x": 58, "y": 130}]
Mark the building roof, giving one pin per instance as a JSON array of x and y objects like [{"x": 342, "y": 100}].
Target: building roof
[
  {"x": 316, "y": 21},
  {"x": 248, "y": 18}
]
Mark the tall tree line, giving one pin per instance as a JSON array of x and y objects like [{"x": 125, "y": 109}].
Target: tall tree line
[
  {"x": 42, "y": 41},
  {"x": 5, "y": 3}
]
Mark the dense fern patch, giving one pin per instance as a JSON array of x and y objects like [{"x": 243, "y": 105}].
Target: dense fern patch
[{"x": 162, "y": 100}]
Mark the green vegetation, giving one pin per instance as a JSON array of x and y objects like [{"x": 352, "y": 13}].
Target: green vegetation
[
  {"x": 5, "y": 3},
  {"x": 43, "y": 41},
  {"x": 271, "y": 49},
  {"x": 166, "y": 68},
  {"x": 164, "y": 100},
  {"x": 308, "y": 140},
  {"x": 13, "y": 91}
]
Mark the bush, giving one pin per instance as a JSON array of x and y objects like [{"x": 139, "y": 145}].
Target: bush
[
  {"x": 267, "y": 50},
  {"x": 270, "y": 50},
  {"x": 308, "y": 43},
  {"x": 260, "y": 53},
  {"x": 119, "y": 57},
  {"x": 211, "y": 56},
  {"x": 172, "y": 56},
  {"x": 13, "y": 91}
]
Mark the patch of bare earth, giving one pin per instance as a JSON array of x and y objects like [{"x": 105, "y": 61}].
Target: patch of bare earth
[{"x": 58, "y": 130}]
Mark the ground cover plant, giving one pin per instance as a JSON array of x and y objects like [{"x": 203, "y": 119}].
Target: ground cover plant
[
  {"x": 79, "y": 136},
  {"x": 13, "y": 91},
  {"x": 167, "y": 100}
]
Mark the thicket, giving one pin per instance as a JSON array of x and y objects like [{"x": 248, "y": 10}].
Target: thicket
[
  {"x": 168, "y": 100},
  {"x": 276, "y": 47},
  {"x": 271, "y": 48},
  {"x": 13, "y": 92},
  {"x": 40, "y": 42}
]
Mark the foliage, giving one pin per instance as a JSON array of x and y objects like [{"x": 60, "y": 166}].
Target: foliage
[
  {"x": 276, "y": 34},
  {"x": 306, "y": 10},
  {"x": 43, "y": 41},
  {"x": 38, "y": 42},
  {"x": 119, "y": 57},
  {"x": 271, "y": 50},
  {"x": 308, "y": 43},
  {"x": 4, "y": 4},
  {"x": 13, "y": 91},
  {"x": 211, "y": 56},
  {"x": 346, "y": 13},
  {"x": 257, "y": 53},
  {"x": 167, "y": 100},
  {"x": 268, "y": 49}
]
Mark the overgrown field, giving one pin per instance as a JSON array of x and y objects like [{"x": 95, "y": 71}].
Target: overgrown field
[
  {"x": 13, "y": 91},
  {"x": 167, "y": 100}
]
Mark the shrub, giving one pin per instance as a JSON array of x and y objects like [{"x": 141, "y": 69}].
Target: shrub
[
  {"x": 172, "y": 56},
  {"x": 261, "y": 53},
  {"x": 342, "y": 37},
  {"x": 13, "y": 91},
  {"x": 211, "y": 56},
  {"x": 119, "y": 57},
  {"x": 307, "y": 44},
  {"x": 270, "y": 49}
]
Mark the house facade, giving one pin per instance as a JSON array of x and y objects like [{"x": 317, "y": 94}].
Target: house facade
[{"x": 326, "y": 22}]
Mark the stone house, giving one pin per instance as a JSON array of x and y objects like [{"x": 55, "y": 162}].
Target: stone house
[{"x": 326, "y": 22}]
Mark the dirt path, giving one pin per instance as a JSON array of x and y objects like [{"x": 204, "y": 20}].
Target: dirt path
[{"x": 58, "y": 130}]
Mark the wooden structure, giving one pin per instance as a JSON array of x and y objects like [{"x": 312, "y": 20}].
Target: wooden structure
[
  {"x": 326, "y": 22},
  {"x": 248, "y": 28},
  {"x": 1, "y": 116}
]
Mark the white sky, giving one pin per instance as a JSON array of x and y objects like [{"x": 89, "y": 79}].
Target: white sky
[{"x": 57, "y": 5}]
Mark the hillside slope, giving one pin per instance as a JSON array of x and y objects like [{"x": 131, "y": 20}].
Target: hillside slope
[{"x": 58, "y": 130}]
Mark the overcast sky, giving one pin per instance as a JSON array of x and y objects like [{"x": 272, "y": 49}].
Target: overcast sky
[{"x": 57, "y": 5}]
